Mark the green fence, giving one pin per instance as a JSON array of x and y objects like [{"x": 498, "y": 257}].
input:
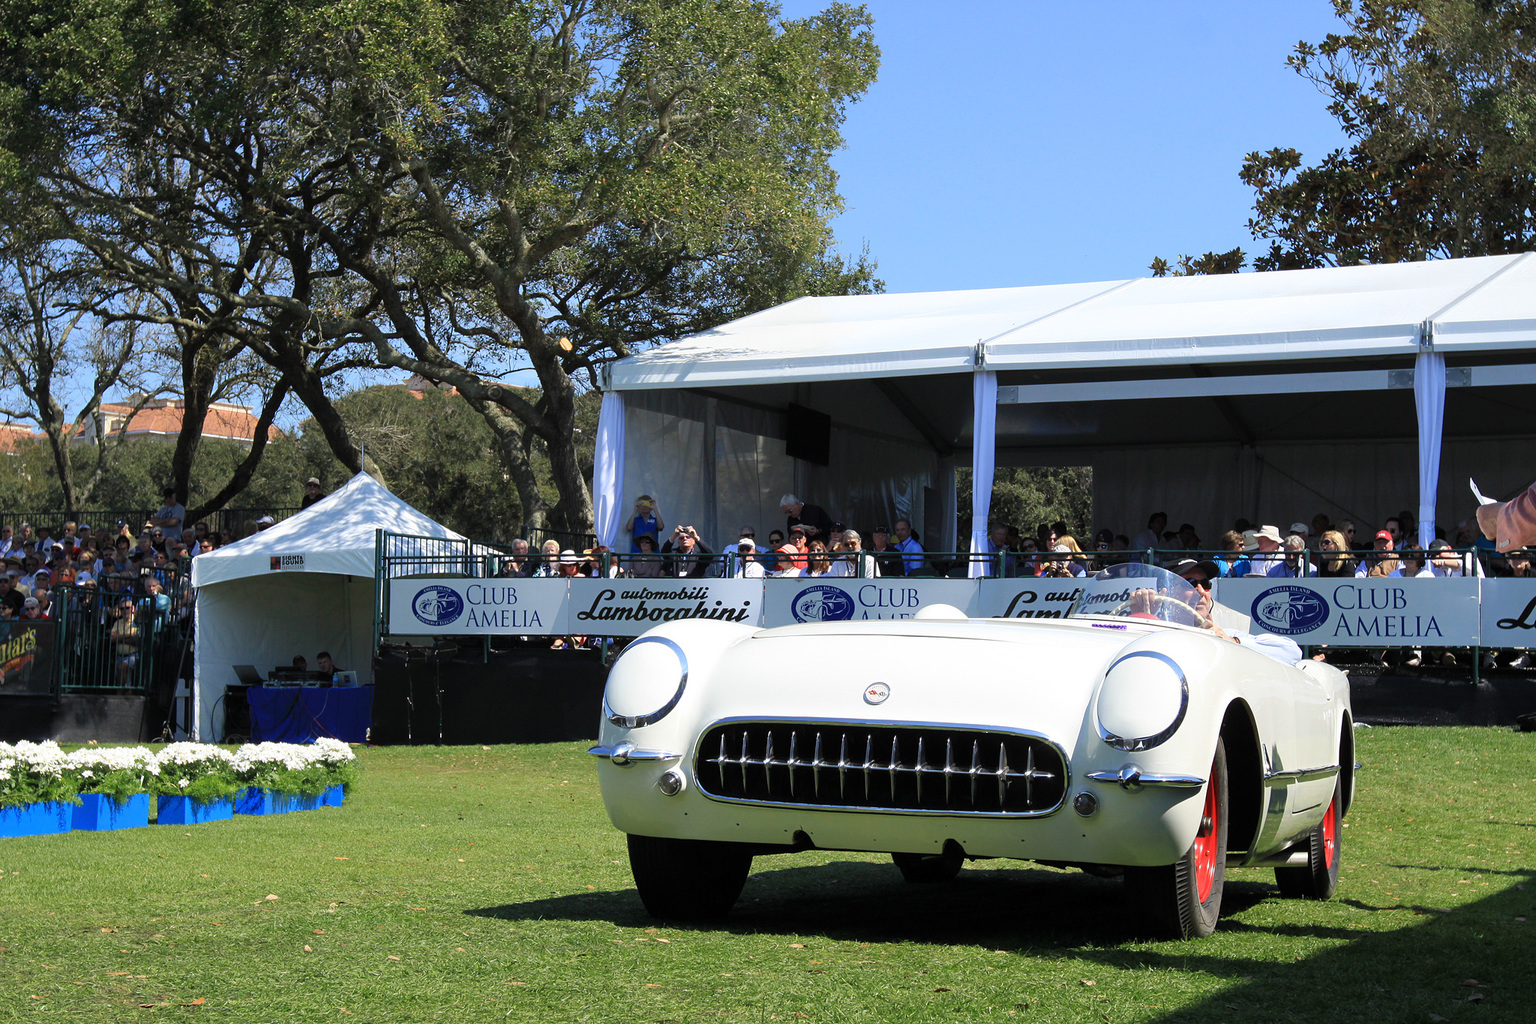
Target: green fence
[{"x": 118, "y": 638}]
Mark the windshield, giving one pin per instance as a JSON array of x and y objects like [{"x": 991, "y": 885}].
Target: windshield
[{"x": 1136, "y": 590}]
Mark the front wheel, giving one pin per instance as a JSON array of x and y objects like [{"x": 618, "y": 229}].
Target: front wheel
[
  {"x": 1324, "y": 844},
  {"x": 1182, "y": 900},
  {"x": 688, "y": 879}
]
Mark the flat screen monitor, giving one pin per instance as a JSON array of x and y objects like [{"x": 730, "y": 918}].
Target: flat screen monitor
[{"x": 807, "y": 435}]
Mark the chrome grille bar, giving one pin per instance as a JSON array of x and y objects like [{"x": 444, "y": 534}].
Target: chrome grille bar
[{"x": 910, "y": 780}]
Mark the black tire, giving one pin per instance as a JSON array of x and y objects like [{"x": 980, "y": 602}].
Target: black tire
[
  {"x": 1325, "y": 847},
  {"x": 688, "y": 879},
  {"x": 927, "y": 868},
  {"x": 1168, "y": 898}
]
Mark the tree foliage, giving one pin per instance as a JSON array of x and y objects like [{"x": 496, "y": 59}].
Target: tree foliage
[
  {"x": 1027, "y": 496},
  {"x": 1438, "y": 98},
  {"x": 456, "y": 189}
]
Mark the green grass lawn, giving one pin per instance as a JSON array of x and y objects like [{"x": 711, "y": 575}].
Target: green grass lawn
[{"x": 486, "y": 884}]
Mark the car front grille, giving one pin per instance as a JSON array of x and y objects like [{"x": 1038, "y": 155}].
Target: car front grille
[{"x": 909, "y": 768}]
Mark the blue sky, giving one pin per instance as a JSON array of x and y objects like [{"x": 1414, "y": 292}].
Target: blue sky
[{"x": 1025, "y": 142}]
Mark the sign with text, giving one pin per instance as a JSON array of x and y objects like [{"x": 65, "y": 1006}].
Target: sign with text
[
  {"x": 629, "y": 607},
  {"x": 795, "y": 599},
  {"x": 1381, "y": 612},
  {"x": 1509, "y": 613},
  {"x": 477, "y": 607},
  {"x": 1028, "y": 598},
  {"x": 26, "y": 656}
]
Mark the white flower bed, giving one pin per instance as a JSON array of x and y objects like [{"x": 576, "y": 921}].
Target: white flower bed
[{"x": 41, "y": 772}]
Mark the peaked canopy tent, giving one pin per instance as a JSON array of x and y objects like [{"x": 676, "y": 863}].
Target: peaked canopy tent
[
  {"x": 300, "y": 587},
  {"x": 1352, "y": 390}
]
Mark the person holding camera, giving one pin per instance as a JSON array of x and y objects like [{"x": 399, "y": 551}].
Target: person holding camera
[
  {"x": 645, "y": 522},
  {"x": 690, "y": 556}
]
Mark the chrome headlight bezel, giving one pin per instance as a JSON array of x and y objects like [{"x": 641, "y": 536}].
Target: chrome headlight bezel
[
  {"x": 1148, "y": 741},
  {"x": 651, "y": 717}
]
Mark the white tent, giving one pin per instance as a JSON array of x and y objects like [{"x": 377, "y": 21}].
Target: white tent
[
  {"x": 1346, "y": 390},
  {"x": 303, "y": 586}
]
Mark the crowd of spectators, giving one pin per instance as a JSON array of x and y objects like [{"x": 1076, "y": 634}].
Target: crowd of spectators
[{"x": 813, "y": 543}]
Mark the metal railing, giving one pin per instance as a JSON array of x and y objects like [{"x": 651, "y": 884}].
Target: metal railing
[{"x": 114, "y": 637}]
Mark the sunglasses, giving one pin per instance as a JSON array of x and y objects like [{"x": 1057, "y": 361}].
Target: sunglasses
[{"x": 1202, "y": 584}]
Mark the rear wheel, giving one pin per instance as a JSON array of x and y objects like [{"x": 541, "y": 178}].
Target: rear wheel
[
  {"x": 688, "y": 879},
  {"x": 1324, "y": 844},
  {"x": 1182, "y": 900},
  {"x": 930, "y": 867}
]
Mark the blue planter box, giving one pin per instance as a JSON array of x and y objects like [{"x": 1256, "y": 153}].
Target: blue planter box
[
  {"x": 46, "y": 819},
  {"x": 98, "y": 813},
  {"x": 183, "y": 810},
  {"x": 332, "y": 797},
  {"x": 254, "y": 800}
]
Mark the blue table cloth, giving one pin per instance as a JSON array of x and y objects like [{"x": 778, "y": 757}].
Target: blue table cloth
[{"x": 300, "y": 714}]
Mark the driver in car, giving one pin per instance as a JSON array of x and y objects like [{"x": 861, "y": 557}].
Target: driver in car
[{"x": 1199, "y": 575}]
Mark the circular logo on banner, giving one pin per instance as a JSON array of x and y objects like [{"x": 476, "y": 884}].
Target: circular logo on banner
[
  {"x": 822, "y": 604},
  {"x": 1289, "y": 610},
  {"x": 437, "y": 606}
]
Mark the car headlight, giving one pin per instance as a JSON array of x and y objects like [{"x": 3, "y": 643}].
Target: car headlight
[
  {"x": 645, "y": 683},
  {"x": 1142, "y": 702}
]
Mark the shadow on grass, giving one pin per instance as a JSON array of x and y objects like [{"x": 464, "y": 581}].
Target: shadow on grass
[
  {"x": 1468, "y": 961},
  {"x": 1018, "y": 909},
  {"x": 1391, "y": 961}
]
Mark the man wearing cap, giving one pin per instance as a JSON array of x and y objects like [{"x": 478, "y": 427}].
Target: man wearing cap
[
  {"x": 791, "y": 557},
  {"x": 886, "y": 557},
  {"x": 170, "y": 515},
  {"x": 265, "y": 523},
  {"x": 747, "y": 565},
  {"x": 311, "y": 493},
  {"x": 1380, "y": 562}
]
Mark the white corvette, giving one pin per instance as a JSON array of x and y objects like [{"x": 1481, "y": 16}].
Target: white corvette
[{"x": 1133, "y": 736}]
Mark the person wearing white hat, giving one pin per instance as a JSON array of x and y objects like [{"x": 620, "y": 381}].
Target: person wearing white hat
[
  {"x": 265, "y": 523},
  {"x": 1270, "y": 558},
  {"x": 747, "y": 565}
]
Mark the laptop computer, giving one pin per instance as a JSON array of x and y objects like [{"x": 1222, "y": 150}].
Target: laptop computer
[{"x": 248, "y": 675}]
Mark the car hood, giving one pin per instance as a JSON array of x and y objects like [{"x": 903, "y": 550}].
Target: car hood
[{"x": 1026, "y": 675}]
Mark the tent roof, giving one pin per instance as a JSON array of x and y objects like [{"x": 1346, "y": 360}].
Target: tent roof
[
  {"x": 334, "y": 535},
  {"x": 1370, "y": 313}
]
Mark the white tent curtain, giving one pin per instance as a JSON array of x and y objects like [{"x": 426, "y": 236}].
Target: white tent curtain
[
  {"x": 1429, "y": 398},
  {"x": 983, "y": 464},
  {"x": 608, "y": 471}
]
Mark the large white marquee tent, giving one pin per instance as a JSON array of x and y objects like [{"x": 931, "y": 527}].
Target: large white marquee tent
[
  {"x": 300, "y": 587},
  {"x": 1355, "y": 391}
]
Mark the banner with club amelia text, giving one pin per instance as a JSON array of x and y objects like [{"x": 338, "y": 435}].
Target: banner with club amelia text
[
  {"x": 1338, "y": 612},
  {"x": 795, "y": 599},
  {"x": 1380, "y": 612},
  {"x": 451, "y": 606}
]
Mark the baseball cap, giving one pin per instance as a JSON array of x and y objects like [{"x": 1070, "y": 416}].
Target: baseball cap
[
  {"x": 1383, "y": 535},
  {"x": 265, "y": 521},
  {"x": 312, "y": 480}
]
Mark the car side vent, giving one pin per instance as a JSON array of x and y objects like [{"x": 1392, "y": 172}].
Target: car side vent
[{"x": 882, "y": 768}]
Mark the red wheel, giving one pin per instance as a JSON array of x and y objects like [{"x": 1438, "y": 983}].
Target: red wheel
[
  {"x": 1324, "y": 846},
  {"x": 1205, "y": 848},
  {"x": 1182, "y": 900}
]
